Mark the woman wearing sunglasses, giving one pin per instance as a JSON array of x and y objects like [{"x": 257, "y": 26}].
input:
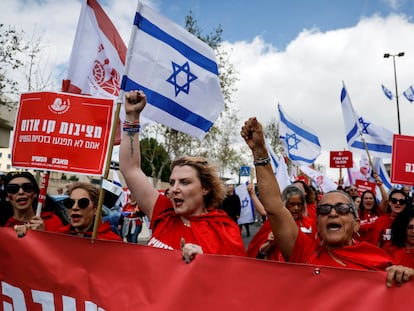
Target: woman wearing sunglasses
[
  {"x": 189, "y": 219},
  {"x": 82, "y": 205},
  {"x": 381, "y": 231},
  {"x": 263, "y": 245},
  {"x": 19, "y": 204},
  {"x": 337, "y": 222}
]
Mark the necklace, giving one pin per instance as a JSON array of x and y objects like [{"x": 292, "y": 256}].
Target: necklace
[{"x": 185, "y": 222}]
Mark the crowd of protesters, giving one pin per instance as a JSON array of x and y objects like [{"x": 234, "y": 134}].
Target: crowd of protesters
[{"x": 341, "y": 228}]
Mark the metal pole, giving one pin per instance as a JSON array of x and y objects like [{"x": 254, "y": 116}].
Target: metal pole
[{"x": 396, "y": 95}]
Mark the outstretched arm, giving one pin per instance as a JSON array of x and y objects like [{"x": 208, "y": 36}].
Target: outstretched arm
[
  {"x": 130, "y": 154},
  {"x": 283, "y": 225}
]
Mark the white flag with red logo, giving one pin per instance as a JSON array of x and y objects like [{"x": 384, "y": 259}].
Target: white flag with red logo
[
  {"x": 320, "y": 179},
  {"x": 98, "y": 54}
]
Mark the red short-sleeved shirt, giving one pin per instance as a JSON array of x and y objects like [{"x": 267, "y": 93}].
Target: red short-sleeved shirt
[{"x": 215, "y": 232}]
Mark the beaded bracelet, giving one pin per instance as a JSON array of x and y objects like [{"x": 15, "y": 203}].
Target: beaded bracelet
[
  {"x": 131, "y": 126},
  {"x": 261, "y": 161}
]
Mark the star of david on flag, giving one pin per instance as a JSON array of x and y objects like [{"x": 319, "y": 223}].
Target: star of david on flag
[
  {"x": 300, "y": 143},
  {"x": 176, "y": 70},
  {"x": 378, "y": 140}
]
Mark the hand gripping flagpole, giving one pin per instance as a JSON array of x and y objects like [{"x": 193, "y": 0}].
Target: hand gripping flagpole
[{"x": 107, "y": 167}]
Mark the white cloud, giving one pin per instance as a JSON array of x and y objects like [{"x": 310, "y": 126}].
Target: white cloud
[{"x": 306, "y": 78}]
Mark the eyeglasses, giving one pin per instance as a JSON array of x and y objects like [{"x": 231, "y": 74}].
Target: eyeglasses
[
  {"x": 400, "y": 201},
  {"x": 82, "y": 203},
  {"x": 14, "y": 188},
  {"x": 410, "y": 227},
  {"x": 340, "y": 208},
  {"x": 353, "y": 189}
]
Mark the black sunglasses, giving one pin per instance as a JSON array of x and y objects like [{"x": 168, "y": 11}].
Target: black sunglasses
[
  {"x": 395, "y": 201},
  {"x": 82, "y": 203},
  {"x": 340, "y": 208},
  {"x": 14, "y": 188}
]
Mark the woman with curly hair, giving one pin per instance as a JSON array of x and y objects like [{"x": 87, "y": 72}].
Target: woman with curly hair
[{"x": 189, "y": 219}]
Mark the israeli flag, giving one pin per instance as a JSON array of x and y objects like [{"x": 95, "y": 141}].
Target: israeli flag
[
  {"x": 176, "y": 70},
  {"x": 378, "y": 140},
  {"x": 279, "y": 168},
  {"x": 409, "y": 94},
  {"x": 387, "y": 92},
  {"x": 300, "y": 143},
  {"x": 247, "y": 207},
  {"x": 380, "y": 169}
]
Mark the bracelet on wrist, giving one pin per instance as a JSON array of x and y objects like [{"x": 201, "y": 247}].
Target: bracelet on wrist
[
  {"x": 131, "y": 126},
  {"x": 261, "y": 161}
]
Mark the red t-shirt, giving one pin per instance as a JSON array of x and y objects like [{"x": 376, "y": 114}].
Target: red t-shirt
[
  {"x": 215, "y": 232},
  {"x": 104, "y": 232},
  {"x": 400, "y": 255},
  {"x": 50, "y": 219},
  {"x": 363, "y": 256}
]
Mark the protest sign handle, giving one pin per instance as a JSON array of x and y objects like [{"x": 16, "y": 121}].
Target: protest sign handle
[{"x": 106, "y": 172}]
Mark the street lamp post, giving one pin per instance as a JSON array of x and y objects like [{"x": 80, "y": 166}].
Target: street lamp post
[{"x": 387, "y": 55}]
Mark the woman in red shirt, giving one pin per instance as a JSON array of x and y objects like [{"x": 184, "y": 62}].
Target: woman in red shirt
[
  {"x": 189, "y": 219},
  {"x": 401, "y": 247},
  {"x": 82, "y": 205},
  {"x": 19, "y": 204}
]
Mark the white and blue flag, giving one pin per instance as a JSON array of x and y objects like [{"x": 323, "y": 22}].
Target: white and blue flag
[
  {"x": 176, "y": 70},
  {"x": 247, "y": 207},
  {"x": 387, "y": 92},
  {"x": 279, "y": 168},
  {"x": 378, "y": 140},
  {"x": 300, "y": 143},
  {"x": 409, "y": 94}
]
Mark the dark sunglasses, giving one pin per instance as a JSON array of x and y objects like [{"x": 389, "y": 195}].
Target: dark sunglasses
[
  {"x": 340, "y": 208},
  {"x": 14, "y": 188},
  {"x": 410, "y": 227},
  {"x": 82, "y": 203},
  {"x": 395, "y": 201}
]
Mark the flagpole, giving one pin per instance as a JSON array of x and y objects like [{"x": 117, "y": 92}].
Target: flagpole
[{"x": 107, "y": 167}]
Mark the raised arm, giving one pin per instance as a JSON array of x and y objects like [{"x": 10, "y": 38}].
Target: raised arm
[
  {"x": 283, "y": 225},
  {"x": 256, "y": 202},
  {"x": 384, "y": 196},
  {"x": 130, "y": 154}
]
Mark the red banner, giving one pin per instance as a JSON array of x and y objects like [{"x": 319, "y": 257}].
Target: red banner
[
  {"x": 47, "y": 271},
  {"x": 341, "y": 159},
  {"x": 62, "y": 132},
  {"x": 402, "y": 170}
]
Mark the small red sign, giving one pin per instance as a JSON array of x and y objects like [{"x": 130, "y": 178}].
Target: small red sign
[
  {"x": 402, "y": 169},
  {"x": 341, "y": 159},
  {"x": 62, "y": 132},
  {"x": 363, "y": 185}
]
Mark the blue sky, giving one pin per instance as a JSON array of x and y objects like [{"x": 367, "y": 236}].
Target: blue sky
[
  {"x": 279, "y": 22},
  {"x": 296, "y": 53}
]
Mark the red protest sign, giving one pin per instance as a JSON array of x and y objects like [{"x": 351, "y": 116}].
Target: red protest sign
[
  {"x": 341, "y": 159},
  {"x": 363, "y": 185},
  {"x": 62, "y": 132},
  {"x": 402, "y": 169}
]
